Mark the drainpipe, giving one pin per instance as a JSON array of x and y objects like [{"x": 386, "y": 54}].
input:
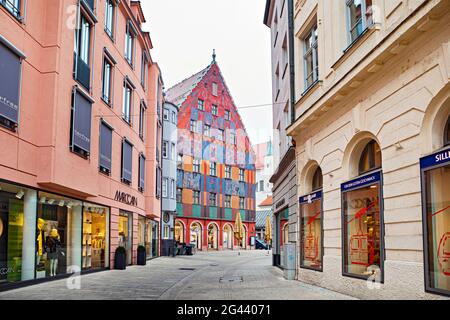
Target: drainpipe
[{"x": 291, "y": 57}]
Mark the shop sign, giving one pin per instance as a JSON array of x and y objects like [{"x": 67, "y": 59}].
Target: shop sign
[
  {"x": 435, "y": 159},
  {"x": 280, "y": 203},
  {"x": 361, "y": 182},
  {"x": 126, "y": 198},
  {"x": 311, "y": 197}
]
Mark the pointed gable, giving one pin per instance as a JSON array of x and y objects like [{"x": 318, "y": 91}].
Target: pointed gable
[{"x": 209, "y": 85}]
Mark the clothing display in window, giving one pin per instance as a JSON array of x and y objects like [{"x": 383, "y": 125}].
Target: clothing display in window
[{"x": 94, "y": 242}]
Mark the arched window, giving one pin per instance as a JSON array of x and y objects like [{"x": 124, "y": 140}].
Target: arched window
[
  {"x": 370, "y": 158},
  {"x": 317, "y": 181},
  {"x": 447, "y": 133}
]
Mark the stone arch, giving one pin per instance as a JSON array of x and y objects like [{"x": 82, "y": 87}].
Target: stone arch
[
  {"x": 183, "y": 230},
  {"x": 307, "y": 175},
  {"x": 213, "y": 239},
  {"x": 352, "y": 153},
  {"x": 198, "y": 235},
  {"x": 434, "y": 121},
  {"x": 228, "y": 236}
]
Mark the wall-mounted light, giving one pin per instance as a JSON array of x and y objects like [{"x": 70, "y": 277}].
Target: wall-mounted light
[
  {"x": 51, "y": 201},
  {"x": 69, "y": 204},
  {"x": 42, "y": 200},
  {"x": 20, "y": 194},
  {"x": 61, "y": 203}
]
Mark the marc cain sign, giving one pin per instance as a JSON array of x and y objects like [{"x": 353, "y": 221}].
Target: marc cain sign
[{"x": 126, "y": 198}]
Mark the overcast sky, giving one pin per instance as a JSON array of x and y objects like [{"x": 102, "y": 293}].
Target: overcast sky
[{"x": 184, "y": 34}]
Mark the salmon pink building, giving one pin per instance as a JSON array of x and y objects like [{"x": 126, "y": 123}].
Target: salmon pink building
[
  {"x": 80, "y": 132},
  {"x": 216, "y": 178}
]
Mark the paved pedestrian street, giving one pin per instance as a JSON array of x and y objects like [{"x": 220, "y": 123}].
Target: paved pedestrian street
[{"x": 204, "y": 276}]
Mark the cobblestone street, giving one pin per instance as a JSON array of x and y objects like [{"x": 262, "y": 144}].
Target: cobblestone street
[{"x": 204, "y": 276}]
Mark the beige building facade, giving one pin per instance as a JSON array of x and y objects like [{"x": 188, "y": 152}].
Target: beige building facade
[{"x": 372, "y": 138}]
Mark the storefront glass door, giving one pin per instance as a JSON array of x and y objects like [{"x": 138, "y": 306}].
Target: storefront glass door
[{"x": 126, "y": 234}]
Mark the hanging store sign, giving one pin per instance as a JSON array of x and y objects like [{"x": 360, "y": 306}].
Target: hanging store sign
[
  {"x": 126, "y": 198},
  {"x": 438, "y": 158},
  {"x": 361, "y": 181}
]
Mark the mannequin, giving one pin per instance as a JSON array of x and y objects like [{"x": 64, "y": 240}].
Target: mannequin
[
  {"x": 53, "y": 249},
  {"x": 40, "y": 240}
]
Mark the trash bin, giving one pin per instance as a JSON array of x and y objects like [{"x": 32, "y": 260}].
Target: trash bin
[
  {"x": 141, "y": 256},
  {"x": 120, "y": 259},
  {"x": 189, "y": 250}
]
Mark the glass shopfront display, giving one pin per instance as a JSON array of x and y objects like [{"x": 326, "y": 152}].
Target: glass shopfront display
[
  {"x": 17, "y": 224},
  {"x": 95, "y": 242},
  {"x": 361, "y": 225},
  {"x": 155, "y": 239},
  {"x": 126, "y": 234},
  {"x": 311, "y": 250},
  {"x": 436, "y": 216},
  {"x": 141, "y": 231},
  {"x": 59, "y": 230}
]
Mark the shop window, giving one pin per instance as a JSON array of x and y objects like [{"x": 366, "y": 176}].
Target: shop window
[
  {"x": 196, "y": 235},
  {"x": 447, "y": 133},
  {"x": 95, "y": 245},
  {"x": 154, "y": 239},
  {"x": 370, "y": 158},
  {"x": 59, "y": 229},
  {"x": 311, "y": 224},
  {"x": 362, "y": 227},
  {"x": 141, "y": 230},
  {"x": 126, "y": 234},
  {"x": 436, "y": 210},
  {"x": 179, "y": 232},
  {"x": 17, "y": 216}
]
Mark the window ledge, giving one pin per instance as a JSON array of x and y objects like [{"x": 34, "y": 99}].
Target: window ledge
[
  {"x": 106, "y": 102},
  {"x": 313, "y": 87},
  {"x": 355, "y": 44}
]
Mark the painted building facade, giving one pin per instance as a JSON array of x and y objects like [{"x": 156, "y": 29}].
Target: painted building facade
[
  {"x": 278, "y": 16},
  {"x": 372, "y": 146},
  {"x": 80, "y": 101},
  {"x": 216, "y": 171}
]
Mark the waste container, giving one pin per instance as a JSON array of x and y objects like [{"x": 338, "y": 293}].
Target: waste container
[
  {"x": 289, "y": 261},
  {"x": 120, "y": 258},
  {"x": 141, "y": 256}
]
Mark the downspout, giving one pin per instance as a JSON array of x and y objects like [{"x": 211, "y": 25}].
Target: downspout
[{"x": 291, "y": 57}]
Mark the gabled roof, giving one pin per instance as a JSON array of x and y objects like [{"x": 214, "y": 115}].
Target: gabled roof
[
  {"x": 267, "y": 202},
  {"x": 179, "y": 92},
  {"x": 260, "y": 218}
]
